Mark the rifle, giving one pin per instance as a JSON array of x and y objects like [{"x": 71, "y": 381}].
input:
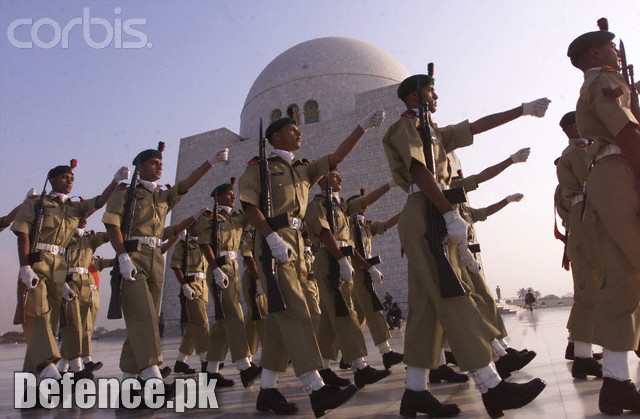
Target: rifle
[
  {"x": 184, "y": 313},
  {"x": 220, "y": 261},
  {"x": 253, "y": 294},
  {"x": 627, "y": 73},
  {"x": 115, "y": 303},
  {"x": 275, "y": 301},
  {"x": 341, "y": 307},
  {"x": 374, "y": 260},
  {"x": 67, "y": 280},
  {"x": 436, "y": 234},
  {"x": 34, "y": 256}
]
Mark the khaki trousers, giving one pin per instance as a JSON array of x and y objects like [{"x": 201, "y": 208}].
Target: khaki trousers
[
  {"x": 254, "y": 329},
  {"x": 196, "y": 332},
  {"x": 94, "y": 305},
  {"x": 79, "y": 321},
  {"x": 364, "y": 309}
]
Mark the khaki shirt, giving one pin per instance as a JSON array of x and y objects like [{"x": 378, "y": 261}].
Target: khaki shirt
[
  {"x": 246, "y": 243},
  {"x": 403, "y": 144},
  {"x": 604, "y": 107},
  {"x": 150, "y": 212},
  {"x": 230, "y": 225},
  {"x": 369, "y": 229},
  {"x": 316, "y": 220},
  {"x": 81, "y": 249},
  {"x": 572, "y": 170},
  {"x": 563, "y": 205},
  {"x": 59, "y": 222},
  {"x": 197, "y": 262}
]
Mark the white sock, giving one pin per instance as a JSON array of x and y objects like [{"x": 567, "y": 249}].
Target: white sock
[
  {"x": 203, "y": 356},
  {"x": 213, "y": 366},
  {"x": 326, "y": 363},
  {"x": 615, "y": 365},
  {"x": 250, "y": 358},
  {"x": 311, "y": 381},
  {"x": 182, "y": 357},
  {"x": 126, "y": 375},
  {"x": 243, "y": 363},
  {"x": 269, "y": 378},
  {"x": 416, "y": 378},
  {"x": 358, "y": 364},
  {"x": 87, "y": 359},
  {"x": 152, "y": 371},
  {"x": 384, "y": 347},
  {"x": 582, "y": 349},
  {"x": 499, "y": 350},
  {"x": 75, "y": 365},
  {"x": 485, "y": 378},
  {"x": 503, "y": 343},
  {"x": 50, "y": 371},
  {"x": 443, "y": 359},
  {"x": 63, "y": 365}
]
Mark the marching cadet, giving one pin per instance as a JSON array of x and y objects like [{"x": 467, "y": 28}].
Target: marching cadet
[
  {"x": 289, "y": 333},
  {"x": 253, "y": 293},
  {"x": 362, "y": 299},
  {"x": 572, "y": 170},
  {"x": 227, "y": 333},
  {"x": 79, "y": 321},
  {"x": 604, "y": 115},
  {"x": 433, "y": 316},
  {"x": 190, "y": 267},
  {"x": 143, "y": 271},
  {"x": 45, "y": 279},
  {"x": 340, "y": 331}
]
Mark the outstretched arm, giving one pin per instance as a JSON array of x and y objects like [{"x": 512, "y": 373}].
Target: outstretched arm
[
  {"x": 372, "y": 197},
  {"x": 391, "y": 222},
  {"x": 536, "y": 108},
  {"x": 374, "y": 119},
  {"x": 198, "y": 173}
]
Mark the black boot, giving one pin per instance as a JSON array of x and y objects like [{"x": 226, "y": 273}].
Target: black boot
[
  {"x": 79, "y": 375},
  {"x": 450, "y": 358},
  {"x": 515, "y": 351},
  {"x": 423, "y": 402},
  {"x": 369, "y": 375},
  {"x": 511, "y": 396},
  {"x": 330, "y": 397},
  {"x": 249, "y": 375},
  {"x": 344, "y": 365},
  {"x": 203, "y": 366},
  {"x": 222, "y": 382},
  {"x": 512, "y": 362},
  {"x": 272, "y": 399},
  {"x": 331, "y": 378},
  {"x": 165, "y": 372},
  {"x": 93, "y": 366},
  {"x": 586, "y": 366},
  {"x": 183, "y": 367},
  {"x": 391, "y": 358},
  {"x": 616, "y": 396},
  {"x": 446, "y": 373},
  {"x": 568, "y": 352}
]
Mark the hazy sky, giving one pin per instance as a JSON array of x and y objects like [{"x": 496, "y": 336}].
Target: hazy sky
[{"x": 190, "y": 64}]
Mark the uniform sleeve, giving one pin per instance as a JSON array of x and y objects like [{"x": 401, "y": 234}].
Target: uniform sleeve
[
  {"x": 173, "y": 197},
  {"x": 25, "y": 217},
  {"x": 402, "y": 145},
  {"x": 470, "y": 183},
  {"x": 246, "y": 244},
  {"x": 98, "y": 240},
  {"x": 87, "y": 207},
  {"x": 478, "y": 214},
  {"x": 456, "y": 136},
  {"x": 377, "y": 228},
  {"x": 607, "y": 102},
  {"x": 249, "y": 185},
  {"x": 115, "y": 208},
  {"x": 176, "y": 258},
  {"x": 354, "y": 206},
  {"x": 317, "y": 169},
  {"x": 205, "y": 231},
  {"x": 562, "y": 207},
  {"x": 316, "y": 218}
]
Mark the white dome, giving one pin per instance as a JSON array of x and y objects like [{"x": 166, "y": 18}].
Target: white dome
[{"x": 329, "y": 71}]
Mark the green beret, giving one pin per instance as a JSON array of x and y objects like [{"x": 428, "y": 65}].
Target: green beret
[
  {"x": 220, "y": 189},
  {"x": 568, "y": 119},
  {"x": 594, "y": 39},
  {"x": 410, "y": 84},
  {"x": 62, "y": 169},
  {"x": 149, "y": 154},
  {"x": 277, "y": 124}
]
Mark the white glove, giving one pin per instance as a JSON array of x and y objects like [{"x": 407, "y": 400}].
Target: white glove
[
  {"x": 28, "y": 277},
  {"x": 32, "y": 192},
  {"x": 376, "y": 275},
  {"x": 374, "y": 119},
  {"x": 346, "y": 270},
  {"x": 188, "y": 292},
  {"x": 259, "y": 290},
  {"x": 279, "y": 248},
  {"x": 516, "y": 197},
  {"x": 221, "y": 156},
  {"x": 121, "y": 174},
  {"x": 222, "y": 280},
  {"x": 67, "y": 292},
  {"x": 521, "y": 155},
  {"x": 392, "y": 183},
  {"x": 456, "y": 227},
  {"x": 466, "y": 258},
  {"x": 127, "y": 268},
  {"x": 536, "y": 108}
]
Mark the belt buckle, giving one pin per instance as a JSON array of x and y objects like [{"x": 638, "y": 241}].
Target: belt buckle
[
  {"x": 295, "y": 223},
  {"x": 153, "y": 242},
  {"x": 55, "y": 249}
]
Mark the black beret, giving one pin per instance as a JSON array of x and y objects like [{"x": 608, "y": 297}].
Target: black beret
[
  {"x": 62, "y": 169},
  {"x": 568, "y": 119},
  {"x": 151, "y": 153},
  {"x": 410, "y": 84},
  {"x": 222, "y": 188},
  {"x": 581, "y": 44},
  {"x": 277, "y": 124}
]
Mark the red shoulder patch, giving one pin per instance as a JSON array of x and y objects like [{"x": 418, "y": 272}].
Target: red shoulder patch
[
  {"x": 612, "y": 93},
  {"x": 409, "y": 114},
  {"x": 254, "y": 161},
  {"x": 608, "y": 69}
]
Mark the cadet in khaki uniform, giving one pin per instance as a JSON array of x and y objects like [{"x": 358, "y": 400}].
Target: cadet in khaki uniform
[
  {"x": 572, "y": 170},
  {"x": 143, "y": 271},
  {"x": 289, "y": 333},
  {"x": 227, "y": 333},
  {"x": 193, "y": 286},
  {"x": 46, "y": 279},
  {"x": 309, "y": 283},
  {"x": 91, "y": 308},
  {"x": 254, "y": 322},
  {"x": 79, "y": 321},
  {"x": 431, "y": 316},
  {"x": 343, "y": 331},
  {"x": 604, "y": 115}
]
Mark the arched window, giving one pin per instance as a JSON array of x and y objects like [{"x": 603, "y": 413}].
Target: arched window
[
  {"x": 311, "y": 112},
  {"x": 276, "y": 114},
  {"x": 293, "y": 111}
]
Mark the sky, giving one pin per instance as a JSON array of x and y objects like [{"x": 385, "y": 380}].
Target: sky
[{"x": 99, "y": 81}]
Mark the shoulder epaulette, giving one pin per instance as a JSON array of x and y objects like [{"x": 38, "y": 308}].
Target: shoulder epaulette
[
  {"x": 409, "y": 114},
  {"x": 608, "y": 69},
  {"x": 254, "y": 161}
]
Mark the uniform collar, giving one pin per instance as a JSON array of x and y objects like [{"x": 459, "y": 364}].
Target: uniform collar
[
  {"x": 225, "y": 208},
  {"x": 284, "y": 155},
  {"x": 361, "y": 218},
  {"x": 150, "y": 186},
  {"x": 63, "y": 198}
]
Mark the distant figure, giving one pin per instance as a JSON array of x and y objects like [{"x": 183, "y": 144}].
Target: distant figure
[
  {"x": 388, "y": 300},
  {"x": 498, "y": 293},
  {"x": 529, "y": 300},
  {"x": 394, "y": 316}
]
